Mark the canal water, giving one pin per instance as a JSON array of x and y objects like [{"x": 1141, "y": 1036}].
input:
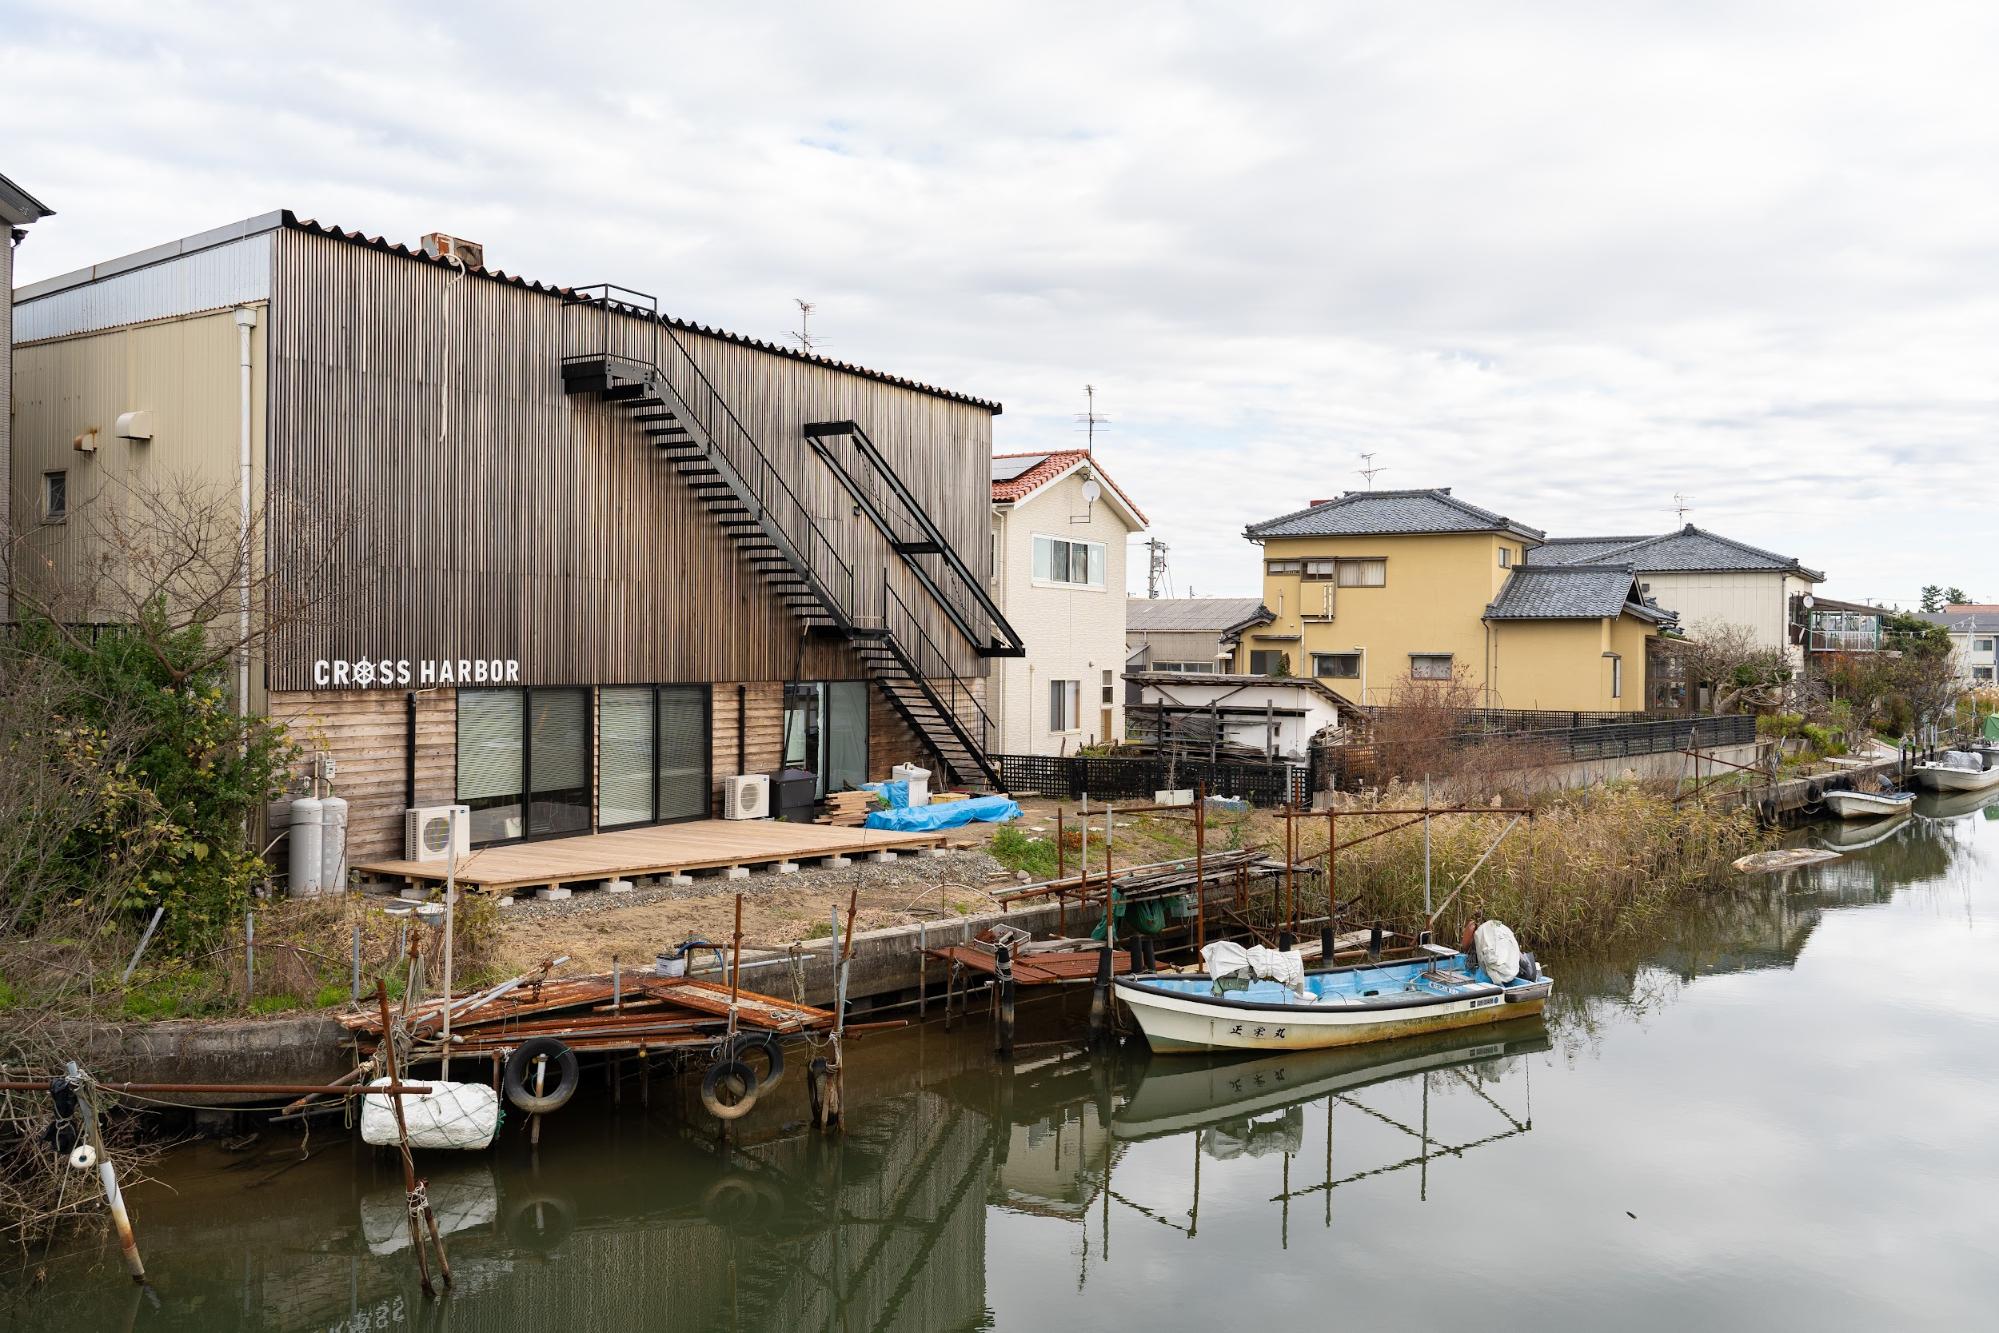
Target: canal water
[{"x": 1782, "y": 1112}]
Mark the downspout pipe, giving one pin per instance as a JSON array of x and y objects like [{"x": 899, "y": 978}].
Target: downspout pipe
[{"x": 246, "y": 322}]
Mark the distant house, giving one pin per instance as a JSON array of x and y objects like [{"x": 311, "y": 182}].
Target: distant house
[
  {"x": 1377, "y": 591},
  {"x": 1059, "y": 529},
  {"x": 1189, "y": 633},
  {"x": 1277, "y": 717},
  {"x": 1974, "y": 640},
  {"x": 18, "y": 208},
  {"x": 1703, "y": 577}
]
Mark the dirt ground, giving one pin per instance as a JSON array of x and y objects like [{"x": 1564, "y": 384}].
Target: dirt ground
[{"x": 780, "y": 910}]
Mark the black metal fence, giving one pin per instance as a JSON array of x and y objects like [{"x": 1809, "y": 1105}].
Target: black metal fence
[
  {"x": 1515, "y": 721},
  {"x": 1344, "y": 767},
  {"x": 1138, "y": 778}
]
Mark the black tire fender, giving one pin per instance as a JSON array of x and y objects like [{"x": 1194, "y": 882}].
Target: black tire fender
[
  {"x": 739, "y": 1046},
  {"x": 735, "y": 1078},
  {"x": 520, "y": 1069}
]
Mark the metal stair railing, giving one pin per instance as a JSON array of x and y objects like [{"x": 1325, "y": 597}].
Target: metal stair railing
[
  {"x": 914, "y": 534},
  {"x": 629, "y": 329},
  {"x": 926, "y": 665}
]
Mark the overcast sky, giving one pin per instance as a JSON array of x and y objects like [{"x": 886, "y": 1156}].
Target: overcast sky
[{"x": 1567, "y": 259}]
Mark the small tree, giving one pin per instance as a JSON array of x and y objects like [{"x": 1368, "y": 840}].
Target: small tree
[{"x": 1742, "y": 674}]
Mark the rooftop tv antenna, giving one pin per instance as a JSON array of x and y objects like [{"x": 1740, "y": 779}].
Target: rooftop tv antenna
[
  {"x": 802, "y": 335},
  {"x": 1155, "y": 570},
  {"x": 1089, "y": 418},
  {"x": 1681, "y": 504},
  {"x": 1368, "y": 469}
]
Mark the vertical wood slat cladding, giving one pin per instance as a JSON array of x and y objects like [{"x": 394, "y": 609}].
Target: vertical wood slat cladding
[
  {"x": 762, "y": 728},
  {"x": 367, "y": 733},
  {"x": 535, "y": 526}
]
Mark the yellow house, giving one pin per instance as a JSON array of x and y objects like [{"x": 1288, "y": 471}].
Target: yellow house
[{"x": 1377, "y": 589}]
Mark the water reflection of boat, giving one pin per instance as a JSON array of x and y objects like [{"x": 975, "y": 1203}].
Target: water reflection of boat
[
  {"x": 1853, "y": 835},
  {"x": 1955, "y": 805},
  {"x": 1174, "y": 1097}
]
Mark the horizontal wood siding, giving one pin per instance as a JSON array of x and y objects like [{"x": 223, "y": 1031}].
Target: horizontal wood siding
[
  {"x": 533, "y": 526},
  {"x": 367, "y": 734}
]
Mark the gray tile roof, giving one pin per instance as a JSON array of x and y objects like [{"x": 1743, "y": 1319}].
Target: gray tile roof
[
  {"x": 1189, "y": 615},
  {"x": 1581, "y": 550},
  {"x": 1689, "y": 550},
  {"x": 1389, "y": 513},
  {"x": 1975, "y": 622},
  {"x": 1572, "y": 592}
]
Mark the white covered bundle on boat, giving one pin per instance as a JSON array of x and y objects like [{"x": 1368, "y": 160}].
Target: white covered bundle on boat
[
  {"x": 1226, "y": 958},
  {"x": 453, "y": 1115},
  {"x": 1498, "y": 952},
  {"x": 1964, "y": 759}
]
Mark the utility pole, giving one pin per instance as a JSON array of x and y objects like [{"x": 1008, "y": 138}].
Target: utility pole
[{"x": 1155, "y": 571}]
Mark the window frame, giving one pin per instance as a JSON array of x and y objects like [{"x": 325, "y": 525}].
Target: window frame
[
  {"x": 1506, "y": 557},
  {"x": 527, "y": 792},
  {"x": 1359, "y": 563},
  {"x": 1319, "y": 673},
  {"x": 706, "y": 693},
  {"x": 1616, "y": 675},
  {"x": 1324, "y": 570},
  {"x": 51, "y": 479},
  {"x": 1981, "y": 645},
  {"x": 1065, "y": 704},
  {"x": 1282, "y": 568},
  {"x": 1277, "y": 653},
  {"x": 1102, "y": 562},
  {"x": 1450, "y": 661}
]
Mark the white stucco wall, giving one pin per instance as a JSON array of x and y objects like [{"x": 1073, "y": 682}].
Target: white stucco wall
[{"x": 1071, "y": 633}]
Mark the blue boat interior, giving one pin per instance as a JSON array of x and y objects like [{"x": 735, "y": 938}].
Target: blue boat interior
[{"x": 1441, "y": 975}]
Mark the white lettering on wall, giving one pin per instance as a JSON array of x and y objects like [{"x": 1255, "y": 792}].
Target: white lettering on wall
[{"x": 384, "y": 672}]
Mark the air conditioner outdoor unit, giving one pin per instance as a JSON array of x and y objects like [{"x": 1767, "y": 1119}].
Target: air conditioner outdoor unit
[
  {"x": 746, "y": 797},
  {"x": 438, "y": 245},
  {"x": 427, "y": 832}
]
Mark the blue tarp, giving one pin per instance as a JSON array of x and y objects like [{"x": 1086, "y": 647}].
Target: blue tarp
[
  {"x": 945, "y": 814},
  {"x": 895, "y": 793}
]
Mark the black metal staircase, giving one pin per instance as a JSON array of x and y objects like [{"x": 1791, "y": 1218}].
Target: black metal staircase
[
  {"x": 620, "y": 352},
  {"x": 880, "y": 493}
]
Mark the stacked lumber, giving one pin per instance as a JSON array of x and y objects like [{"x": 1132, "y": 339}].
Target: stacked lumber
[
  {"x": 848, "y": 809},
  {"x": 590, "y": 1013}
]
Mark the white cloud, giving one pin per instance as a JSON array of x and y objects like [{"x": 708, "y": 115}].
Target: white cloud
[{"x": 1567, "y": 261}]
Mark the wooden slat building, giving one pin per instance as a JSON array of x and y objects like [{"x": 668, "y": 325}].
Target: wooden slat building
[{"x": 510, "y": 580}]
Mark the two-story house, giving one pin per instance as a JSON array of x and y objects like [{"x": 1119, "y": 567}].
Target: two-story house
[
  {"x": 1059, "y": 530},
  {"x": 1378, "y": 590},
  {"x": 1974, "y": 641},
  {"x": 1705, "y": 579}
]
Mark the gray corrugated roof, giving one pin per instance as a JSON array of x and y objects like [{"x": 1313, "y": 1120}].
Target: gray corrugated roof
[
  {"x": 1975, "y": 622},
  {"x": 1388, "y": 513},
  {"x": 1689, "y": 550},
  {"x": 1190, "y": 615},
  {"x": 1571, "y": 592}
]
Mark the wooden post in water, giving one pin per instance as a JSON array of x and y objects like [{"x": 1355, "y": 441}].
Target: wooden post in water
[
  {"x": 107, "y": 1174},
  {"x": 1200, "y": 868},
  {"x": 416, "y": 1200},
  {"x": 1003, "y": 1014}
]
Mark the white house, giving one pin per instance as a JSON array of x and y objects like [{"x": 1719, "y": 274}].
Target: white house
[
  {"x": 1060, "y": 526},
  {"x": 1708, "y": 579},
  {"x": 1974, "y": 641},
  {"x": 1277, "y": 715}
]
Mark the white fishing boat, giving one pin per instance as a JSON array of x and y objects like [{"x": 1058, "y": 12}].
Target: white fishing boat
[
  {"x": 1958, "y": 770},
  {"x": 1233, "y": 1008},
  {"x": 1869, "y": 804}
]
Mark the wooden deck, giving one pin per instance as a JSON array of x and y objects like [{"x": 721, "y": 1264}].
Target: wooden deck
[{"x": 667, "y": 849}]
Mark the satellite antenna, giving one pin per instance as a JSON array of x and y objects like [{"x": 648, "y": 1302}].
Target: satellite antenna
[
  {"x": 1368, "y": 469},
  {"x": 1089, "y": 418}
]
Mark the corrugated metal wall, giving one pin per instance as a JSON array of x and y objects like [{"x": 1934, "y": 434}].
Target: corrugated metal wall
[{"x": 236, "y": 273}]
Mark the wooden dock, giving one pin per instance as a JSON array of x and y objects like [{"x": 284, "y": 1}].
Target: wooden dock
[{"x": 664, "y": 849}]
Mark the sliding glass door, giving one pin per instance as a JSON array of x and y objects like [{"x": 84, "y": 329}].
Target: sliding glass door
[
  {"x": 524, "y": 762},
  {"x": 826, "y": 732},
  {"x": 652, "y": 754}
]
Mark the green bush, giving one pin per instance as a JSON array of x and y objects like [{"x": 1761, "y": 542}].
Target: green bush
[
  {"x": 1017, "y": 851},
  {"x": 1780, "y": 726}
]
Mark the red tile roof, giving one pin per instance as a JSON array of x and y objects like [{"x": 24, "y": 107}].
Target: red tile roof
[{"x": 1051, "y": 466}]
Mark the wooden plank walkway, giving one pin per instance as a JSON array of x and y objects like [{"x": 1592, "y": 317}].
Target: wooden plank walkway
[{"x": 666, "y": 849}]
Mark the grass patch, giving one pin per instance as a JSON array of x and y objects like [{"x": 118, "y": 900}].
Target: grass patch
[{"x": 1017, "y": 851}]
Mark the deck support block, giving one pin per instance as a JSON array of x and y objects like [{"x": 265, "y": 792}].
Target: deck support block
[
  {"x": 617, "y": 886},
  {"x": 414, "y": 895},
  {"x": 678, "y": 879},
  {"x": 503, "y": 900},
  {"x": 786, "y": 867},
  {"x": 933, "y": 852},
  {"x": 736, "y": 872},
  {"x": 551, "y": 893},
  {"x": 882, "y": 858},
  {"x": 835, "y": 862}
]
